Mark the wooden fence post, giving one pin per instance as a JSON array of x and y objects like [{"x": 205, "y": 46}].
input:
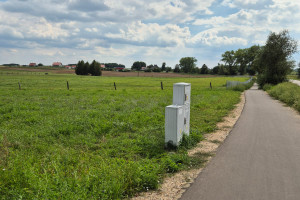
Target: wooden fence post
[
  {"x": 19, "y": 85},
  {"x": 161, "y": 85},
  {"x": 115, "y": 85},
  {"x": 68, "y": 85}
]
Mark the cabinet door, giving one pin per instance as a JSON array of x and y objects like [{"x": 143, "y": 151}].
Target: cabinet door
[{"x": 187, "y": 93}]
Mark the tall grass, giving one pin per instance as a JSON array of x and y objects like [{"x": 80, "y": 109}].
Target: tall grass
[
  {"x": 288, "y": 93},
  {"x": 243, "y": 87},
  {"x": 94, "y": 142}
]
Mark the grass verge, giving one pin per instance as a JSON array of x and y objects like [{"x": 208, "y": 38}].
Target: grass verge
[
  {"x": 95, "y": 142},
  {"x": 288, "y": 93}
]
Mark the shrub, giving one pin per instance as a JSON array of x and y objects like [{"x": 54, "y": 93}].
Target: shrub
[
  {"x": 267, "y": 87},
  {"x": 157, "y": 69},
  {"x": 288, "y": 93},
  {"x": 240, "y": 88},
  {"x": 243, "y": 87}
]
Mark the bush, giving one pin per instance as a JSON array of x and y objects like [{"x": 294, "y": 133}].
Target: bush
[
  {"x": 243, "y": 87},
  {"x": 267, "y": 87},
  {"x": 156, "y": 69},
  {"x": 288, "y": 93},
  {"x": 240, "y": 88}
]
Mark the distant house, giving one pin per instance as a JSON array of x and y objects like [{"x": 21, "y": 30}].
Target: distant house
[
  {"x": 102, "y": 66},
  {"x": 119, "y": 68},
  {"x": 143, "y": 68},
  {"x": 70, "y": 66},
  {"x": 57, "y": 64},
  {"x": 32, "y": 64}
]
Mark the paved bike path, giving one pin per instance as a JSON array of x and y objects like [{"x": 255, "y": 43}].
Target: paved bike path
[
  {"x": 296, "y": 82},
  {"x": 260, "y": 159}
]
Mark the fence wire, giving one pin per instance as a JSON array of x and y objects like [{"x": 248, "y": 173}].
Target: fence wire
[{"x": 230, "y": 84}]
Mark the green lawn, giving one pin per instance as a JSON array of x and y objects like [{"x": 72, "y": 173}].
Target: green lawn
[{"x": 92, "y": 142}]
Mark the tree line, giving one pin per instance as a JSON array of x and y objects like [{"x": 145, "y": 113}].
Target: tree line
[
  {"x": 271, "y": 62},
  {"x": 84, "y": 68}
]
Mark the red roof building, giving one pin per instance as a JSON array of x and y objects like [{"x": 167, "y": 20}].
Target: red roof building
[
  {"x": 57, "y": 64},
  {"x": 32, "y": 64}
]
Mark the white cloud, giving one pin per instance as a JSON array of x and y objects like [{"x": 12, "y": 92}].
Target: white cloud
[
  {"x": 211, "y": 38},
  {"x": 125, "y": 31},
  {"x": 152, "y": 34}
]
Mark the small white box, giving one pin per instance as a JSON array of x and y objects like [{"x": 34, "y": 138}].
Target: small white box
[
  {"x": 174, "y": 124},
  {"x": 182, "y": 94}
]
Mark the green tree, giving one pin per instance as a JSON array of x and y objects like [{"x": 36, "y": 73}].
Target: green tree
[
  {"x": 79, "y": 68},
  {"x": 241, "y": 60},
  {"x": 137, "y": 65},
  {"x": 215, "y": 70},
  {"x": 176, "y": 69},
  {"x": 168, "y": 69},
  {"x": 94, "y": 69},
  {"x": 251, "y": 54},
  {"x": 222, "y": 70},
  {"x": 274, "y": 60},
  {"x": 187, "y": 64},
  {"x": 204, "y": 69},
  {"x": 40, "y": 65},
  {"x": 86, "y": 69},
  {"x": 229, "y": 59},
  {"x": 163, "y": 66}
]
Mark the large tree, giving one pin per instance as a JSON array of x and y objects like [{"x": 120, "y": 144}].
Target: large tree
[
  {"x": 79, "y": 70},
  {"x": 163, "y": 66},
  {"x": 204, "y": 69},
  {"x": 94, "y": 68},
  {"x": 241, "y": 60},
  {"x": 187, "y": 64},
  {"x": 229, "y": 59},
  {"x": 137, "y": 65},
  {"x": 274, "y": 60}
]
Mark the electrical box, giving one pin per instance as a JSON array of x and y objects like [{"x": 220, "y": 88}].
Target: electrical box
[
  {"x": 182, "y": 96},
  {"x": 174, "y": 124}
]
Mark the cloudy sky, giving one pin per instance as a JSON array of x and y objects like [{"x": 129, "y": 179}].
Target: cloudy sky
[{"x": 124, "y": 31}]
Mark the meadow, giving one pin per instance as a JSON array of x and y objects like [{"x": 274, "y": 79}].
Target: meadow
[{"x": 95, "y": 142}]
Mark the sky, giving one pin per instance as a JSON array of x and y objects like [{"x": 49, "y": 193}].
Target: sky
[{"x": 125, "y": 31}]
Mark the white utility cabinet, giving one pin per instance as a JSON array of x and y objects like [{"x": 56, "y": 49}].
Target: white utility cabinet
[
  {"x": 174, "y": 124},
  {"x": 182, "y": 96}
]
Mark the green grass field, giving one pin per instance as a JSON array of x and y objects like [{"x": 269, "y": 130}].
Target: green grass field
[{"x": 94, "y": 142}]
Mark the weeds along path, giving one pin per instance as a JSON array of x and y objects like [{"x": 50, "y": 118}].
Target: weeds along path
[{"x": 259, "y": 160}]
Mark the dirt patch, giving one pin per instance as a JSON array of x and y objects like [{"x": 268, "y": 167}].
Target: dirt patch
[{"x": 173, "y": 187}]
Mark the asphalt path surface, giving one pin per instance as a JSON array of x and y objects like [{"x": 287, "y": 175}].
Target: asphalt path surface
[
  {"x": 259, "y": 160},
  {"x": 296, "y": 82}
]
